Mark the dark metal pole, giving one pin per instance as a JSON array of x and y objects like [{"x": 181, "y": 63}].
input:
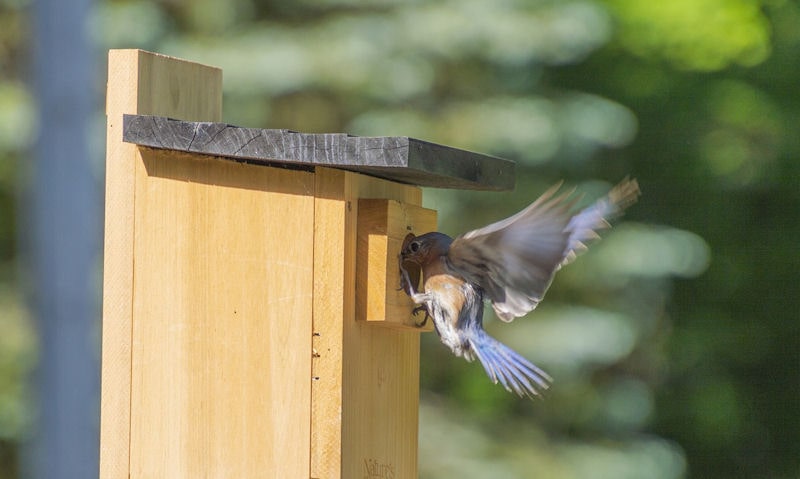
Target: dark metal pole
[{"x": 63, "y": 217}]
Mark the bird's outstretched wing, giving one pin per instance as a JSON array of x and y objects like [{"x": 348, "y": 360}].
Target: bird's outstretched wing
[{"x": 514, "y": 259}]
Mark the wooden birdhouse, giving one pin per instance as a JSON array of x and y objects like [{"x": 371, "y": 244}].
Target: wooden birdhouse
[{"x": 253, "y": 324}]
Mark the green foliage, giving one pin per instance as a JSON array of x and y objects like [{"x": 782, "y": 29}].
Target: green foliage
[
  {"x": 16, "y": 360},
  {"x": 17, "y": 127},
  {"x": 673, "y": 342},
  {"x": 703, "y": 35},
  {"x": 16, "y": 355}
]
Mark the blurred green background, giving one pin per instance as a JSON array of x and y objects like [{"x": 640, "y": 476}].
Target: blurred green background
[{"x": 674, "y": 342}]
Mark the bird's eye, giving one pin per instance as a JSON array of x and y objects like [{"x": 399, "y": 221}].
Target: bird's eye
[{"x": 414, "y": 246}]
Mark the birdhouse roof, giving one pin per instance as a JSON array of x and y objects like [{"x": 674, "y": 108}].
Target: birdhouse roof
[{"x": 397, "y": 158}]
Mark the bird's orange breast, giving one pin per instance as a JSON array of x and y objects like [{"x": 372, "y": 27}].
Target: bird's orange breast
[{"x": 448, "y": 291}]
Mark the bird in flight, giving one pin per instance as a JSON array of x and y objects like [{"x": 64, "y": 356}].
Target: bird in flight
[{"x": 510, "y": 263}]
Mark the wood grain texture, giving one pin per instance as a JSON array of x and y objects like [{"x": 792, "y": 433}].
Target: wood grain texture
[
  {"x": 402, "y": 159},
  {"x": 365, "y": 402},
  {"x": 213, "y": 268},
  {"x": 331, "y": 309},
  {"x": 223, "y": 285},
  {"x": 138, "y": 83},
  {"x": 382, "y": 227},
  {"x": 380, "y": 371}
]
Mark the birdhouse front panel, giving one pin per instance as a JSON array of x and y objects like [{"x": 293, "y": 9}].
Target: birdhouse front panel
[{"x": 222, "y": 304}]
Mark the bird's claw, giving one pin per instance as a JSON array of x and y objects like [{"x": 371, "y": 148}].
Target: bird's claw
[{"x": 416, "y": 311}]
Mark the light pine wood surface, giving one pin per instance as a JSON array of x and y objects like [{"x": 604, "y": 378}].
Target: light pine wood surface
[
  {"x": 230, "y": 341},
  {"x": 139, "y": 83}
]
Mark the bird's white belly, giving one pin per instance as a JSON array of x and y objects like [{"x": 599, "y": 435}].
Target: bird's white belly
[{"x": 445, "y": 304}]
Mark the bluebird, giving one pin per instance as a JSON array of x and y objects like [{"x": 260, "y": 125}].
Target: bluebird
[{"x": 510, "y": 263}]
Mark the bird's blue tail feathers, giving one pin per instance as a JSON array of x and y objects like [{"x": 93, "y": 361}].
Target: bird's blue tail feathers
[{"x": 504, "y": 365}]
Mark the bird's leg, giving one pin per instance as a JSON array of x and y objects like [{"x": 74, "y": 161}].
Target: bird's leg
[
  {"x": 421, "y": 299},
  {"x": 418, "y": 298}
]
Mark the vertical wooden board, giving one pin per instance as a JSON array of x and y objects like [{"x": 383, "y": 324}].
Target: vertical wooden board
[
  {"x": 366, "y": 407},
  {"x": 179, "y": 89},
  {"x": 222, "y": 319},
  {"x": 381, "y": 373},
  {"x": 136, "y": 84},
  {"x": 331, "y": 216}
]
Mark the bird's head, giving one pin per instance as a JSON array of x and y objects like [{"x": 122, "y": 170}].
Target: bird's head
[{"x": 425, "y": 248}]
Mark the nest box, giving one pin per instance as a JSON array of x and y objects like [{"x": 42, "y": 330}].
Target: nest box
[{"x": 253, "y": 324}]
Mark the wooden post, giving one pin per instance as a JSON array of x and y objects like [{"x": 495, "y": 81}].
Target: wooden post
[{"x": 252, "y": 326}]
